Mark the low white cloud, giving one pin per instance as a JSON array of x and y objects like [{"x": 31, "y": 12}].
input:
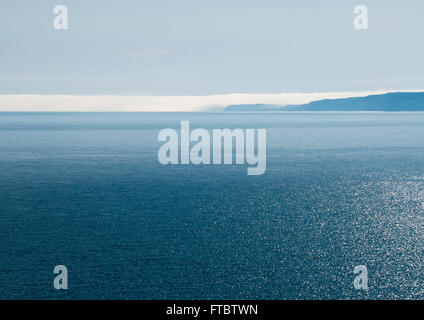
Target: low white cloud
[{"x": 115, "y": 103}]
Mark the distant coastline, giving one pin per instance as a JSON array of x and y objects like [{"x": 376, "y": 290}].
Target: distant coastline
[{"x": 389, "y": 102}]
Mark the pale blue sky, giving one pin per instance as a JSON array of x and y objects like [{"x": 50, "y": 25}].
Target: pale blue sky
[{"x": 209, "y": 47}]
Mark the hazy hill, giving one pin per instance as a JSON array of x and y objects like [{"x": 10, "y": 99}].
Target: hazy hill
[{"x": 397, "y": 101}]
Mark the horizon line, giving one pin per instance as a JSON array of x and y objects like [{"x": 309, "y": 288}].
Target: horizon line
[{"x": 151, "y": 103}]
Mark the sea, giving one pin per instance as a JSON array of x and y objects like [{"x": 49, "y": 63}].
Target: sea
[{"x": 86, "y": 190}]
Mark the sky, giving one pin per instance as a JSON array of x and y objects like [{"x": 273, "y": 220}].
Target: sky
[{"x": 196, "y": 48}]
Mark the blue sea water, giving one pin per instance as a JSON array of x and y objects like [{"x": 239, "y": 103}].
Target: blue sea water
[{"x": 86, "y": 190}]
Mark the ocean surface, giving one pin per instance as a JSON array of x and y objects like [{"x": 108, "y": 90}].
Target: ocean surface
[{"x": 86, "y": 190}]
